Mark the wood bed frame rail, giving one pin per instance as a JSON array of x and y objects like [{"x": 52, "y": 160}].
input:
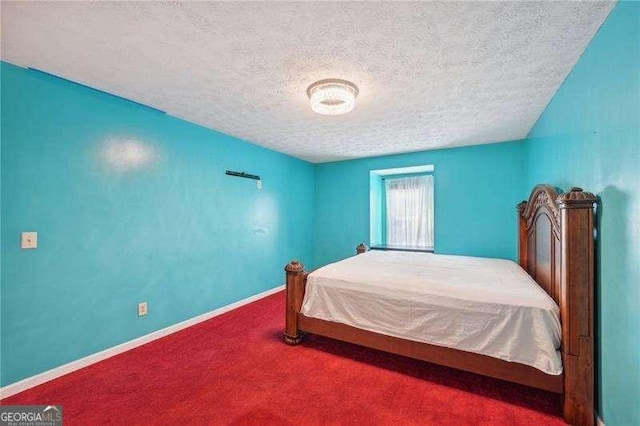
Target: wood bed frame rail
[{"x": 556, "y": 247}]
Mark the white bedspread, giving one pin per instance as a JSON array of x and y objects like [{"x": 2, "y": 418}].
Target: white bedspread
[{"x": 487, "y": 306}]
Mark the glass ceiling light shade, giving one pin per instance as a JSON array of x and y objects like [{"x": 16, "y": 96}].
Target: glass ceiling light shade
[{"x": 332, "y": 96}]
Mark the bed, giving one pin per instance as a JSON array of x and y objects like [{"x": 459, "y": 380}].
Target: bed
[{"x": 530, "y": 323}]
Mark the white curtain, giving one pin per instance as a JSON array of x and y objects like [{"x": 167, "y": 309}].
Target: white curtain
[{"x": 410, "y": 211}]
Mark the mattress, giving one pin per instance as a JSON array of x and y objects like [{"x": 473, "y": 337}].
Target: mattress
[{"x": 481, "y": 305}]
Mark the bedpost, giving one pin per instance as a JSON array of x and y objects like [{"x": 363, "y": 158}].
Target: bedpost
[
  {"x": 361, "y": 248},
  {"x": 576, "y": 304},
  {"x": 522, "y": 235},
  {"x": 295, "y": 293}
]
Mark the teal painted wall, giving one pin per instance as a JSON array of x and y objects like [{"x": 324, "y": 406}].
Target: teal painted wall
[
  {"x": 476, "y": 191},
  {"x": 589, "y": 136},
  {"x": 376, "y": 206},
  {"x": 129, "y": 205}
]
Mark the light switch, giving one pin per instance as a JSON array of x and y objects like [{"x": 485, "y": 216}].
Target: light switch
[
  {"x": 142, "y": 309},
  {"x": 29, "y": 240}
]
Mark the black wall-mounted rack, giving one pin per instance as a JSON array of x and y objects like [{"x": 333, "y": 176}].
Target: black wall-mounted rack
[{"x": 242, "y": 175}]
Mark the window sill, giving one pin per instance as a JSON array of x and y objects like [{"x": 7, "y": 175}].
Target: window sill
[{"x": 402, "y": 248}]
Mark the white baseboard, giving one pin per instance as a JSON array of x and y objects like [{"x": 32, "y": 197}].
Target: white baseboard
[
  {"x": 54, "y": 373},
  {"x": 599, "y": 421}
]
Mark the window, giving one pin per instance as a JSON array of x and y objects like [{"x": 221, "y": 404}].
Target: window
[
  {"x": 402, "y": 208},
  {"x": 409, "y": 211}
]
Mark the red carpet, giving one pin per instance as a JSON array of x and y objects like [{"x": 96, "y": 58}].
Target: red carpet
[{"x": 235, "y": 369}]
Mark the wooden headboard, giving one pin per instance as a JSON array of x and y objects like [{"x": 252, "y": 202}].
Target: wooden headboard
[
  {"x": 539, "y": 243},
  {"x": 556, "y": 247}
]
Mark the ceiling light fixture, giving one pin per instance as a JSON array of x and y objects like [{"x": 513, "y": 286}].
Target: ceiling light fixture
[{"x": 332, "y": 96}]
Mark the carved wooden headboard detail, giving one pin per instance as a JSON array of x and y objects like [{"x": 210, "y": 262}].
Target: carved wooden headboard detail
[
  {"x": 556, "y": 247},
  {"x": 539, "y": 240}
]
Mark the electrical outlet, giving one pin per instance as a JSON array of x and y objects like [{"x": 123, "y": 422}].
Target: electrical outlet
[
  {"x": 259, "y": 184},
  {"x": 29, "y": 240},
  {"x": 142, "y": 309}
]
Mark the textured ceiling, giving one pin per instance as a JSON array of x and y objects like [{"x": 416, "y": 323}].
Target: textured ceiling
[{"x": 431, "y": 75}]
